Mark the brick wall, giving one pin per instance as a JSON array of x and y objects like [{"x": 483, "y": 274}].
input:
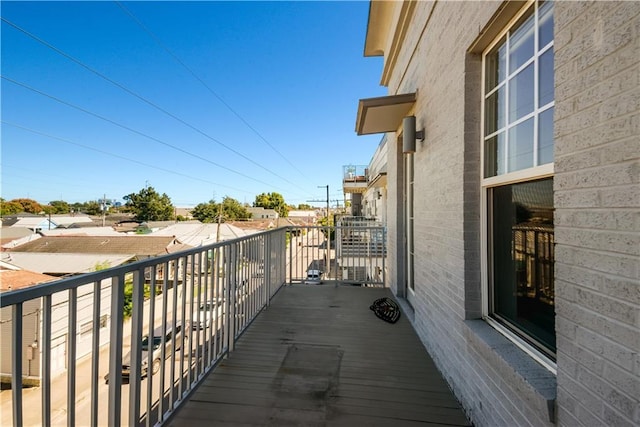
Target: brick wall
[{"x": 597, "y": 201}]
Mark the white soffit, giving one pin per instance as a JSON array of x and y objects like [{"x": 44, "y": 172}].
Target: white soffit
[{"x": 383, "y": 114}]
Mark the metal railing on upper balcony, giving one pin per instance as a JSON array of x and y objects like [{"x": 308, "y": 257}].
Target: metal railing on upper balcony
[
  {"x": 159, "y": 325},
  {"x": 354, "y": 173}
]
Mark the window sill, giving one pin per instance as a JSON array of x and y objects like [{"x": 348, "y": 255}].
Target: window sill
[{"x": 534, "y": 382}]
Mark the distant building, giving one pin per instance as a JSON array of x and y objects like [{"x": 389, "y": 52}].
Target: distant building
[{"x": 262, "y": 213}]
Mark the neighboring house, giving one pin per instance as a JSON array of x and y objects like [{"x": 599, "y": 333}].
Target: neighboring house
[
  {"x": 512, "y": 181},
  {"x": 307, "y": 217},
  {"x": 141, "y": 246},
  {"x": 84, "y": 231},
  {"x": 12, "y": 278},
  {"x": 262, "y": 213},
  {"x": 199, "y": 234},
  {"x": 184, "y": 212},
  {"x": 10, "y": 234},
  {"x": 64, "y": 264},
  {"x": 36, "y": 223}
]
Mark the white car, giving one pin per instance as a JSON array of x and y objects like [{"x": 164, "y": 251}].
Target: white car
[
  {"x": 207, "y": 313},
  {"x": 314, "y": 277}
]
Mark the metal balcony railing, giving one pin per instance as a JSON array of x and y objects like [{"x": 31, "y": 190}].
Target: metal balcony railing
[{"x": 159, "y": 325}]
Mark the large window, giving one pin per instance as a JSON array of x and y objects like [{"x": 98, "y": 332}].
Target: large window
[{"x": 518, "y": 178}]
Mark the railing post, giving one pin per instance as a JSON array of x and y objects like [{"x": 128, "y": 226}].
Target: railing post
[
  {"x": 71, "y": 357},
  {"x": 45, "y": 345},
  {"x": 115, "y": 351},
  {"x": 135, "y": 373},
  {"x": 266, "y": 267},
  {"x": 95, "y": 347},
  {"x": 290, "y": 256},
  {"x": 16, "y": 364}
]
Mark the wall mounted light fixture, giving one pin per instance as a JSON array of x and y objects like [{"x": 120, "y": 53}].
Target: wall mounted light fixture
[{"x": 409, "y": 134}]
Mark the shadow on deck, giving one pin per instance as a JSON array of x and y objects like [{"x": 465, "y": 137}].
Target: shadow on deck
[{"x": 318, "y": 356}]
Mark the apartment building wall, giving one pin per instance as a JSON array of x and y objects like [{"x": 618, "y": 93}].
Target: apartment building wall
[{"x": 596, "y": 201}]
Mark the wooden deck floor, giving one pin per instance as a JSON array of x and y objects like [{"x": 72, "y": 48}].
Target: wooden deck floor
[{"x": 318, "y": 356}]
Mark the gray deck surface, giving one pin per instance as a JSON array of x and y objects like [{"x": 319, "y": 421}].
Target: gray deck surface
[{"x": 318, "y": 356}]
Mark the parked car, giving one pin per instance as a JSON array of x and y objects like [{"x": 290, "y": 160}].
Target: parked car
[
  {"x": 314, "y": 277},
  {"x": 153, "y": 344},
  {"x": 208, "y": 312}
]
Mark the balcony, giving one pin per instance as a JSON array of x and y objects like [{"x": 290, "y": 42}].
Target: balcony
[
  {"x": 354, "y": 179},
  {"x": 237, "y": 338}
]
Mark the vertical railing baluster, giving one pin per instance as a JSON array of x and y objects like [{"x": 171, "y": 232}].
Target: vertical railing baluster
[
  {"x": 152, "y": 324},
  {"x": 16, "y": 364},
  {"x": 115, "y": 351},
  {"x": 135, "y": 370},
  {"x": 71, "y": 357},
  {"x": 174, "y": 312},
  {"x": 187, "y": 330},
  {"x": 165, "y": 303},
  {"x": 45, "y": 345},
  {"x": 95, "y": 352}
]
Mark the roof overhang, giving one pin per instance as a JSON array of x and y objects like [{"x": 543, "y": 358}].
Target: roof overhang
[{"x": 383, "y": 114}]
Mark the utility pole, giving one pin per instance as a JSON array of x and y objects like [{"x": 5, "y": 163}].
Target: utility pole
[
  {"x": 328, "y": 264},
  {"x": 103, "y": 205},
  {"x": 219, "y": 222}
]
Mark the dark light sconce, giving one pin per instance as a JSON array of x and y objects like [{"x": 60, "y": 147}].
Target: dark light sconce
[{"x": 409, "y": 134}]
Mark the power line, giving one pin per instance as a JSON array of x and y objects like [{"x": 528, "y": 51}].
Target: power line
[
  {"x": 77, "y": 144},
  {"x": 84, "y": 110},
  {"x": 214, "y": 93},
  {"x": 143, "y": 99}
]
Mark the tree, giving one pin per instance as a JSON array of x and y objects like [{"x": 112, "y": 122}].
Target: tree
[
  {"x": 273, "y": 201},
  {"x": 206, "y": 212},
  {"x": 305, "y": 207},
  {"x": 234, "y": 210},
  {"x": 149, "y": 205},
  {"x": 8, "y": 208},
  {"x": 60, "y": 207},
  {"x": 29, "y": 205},
  {"x": 91, "y": 208},
  {"x": 231, "y": 210}
]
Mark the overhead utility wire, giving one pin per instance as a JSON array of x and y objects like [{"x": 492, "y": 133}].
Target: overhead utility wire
[
  {"x": 84, "y": 110},
  {"x": 214, "y": 93},
  {"x": 118, "y": 156},
  {"x": 141, "y": 98}
]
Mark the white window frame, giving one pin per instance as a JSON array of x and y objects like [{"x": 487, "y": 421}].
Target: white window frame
[{"x": 529, "y": 174}]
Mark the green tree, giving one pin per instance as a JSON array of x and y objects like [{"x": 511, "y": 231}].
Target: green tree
[
  {"x": 273, "y": 201},
  {"x": 206, "y": 212},
  {"x": 91, "y": 208},
  {"x": 305, "y": 207},
  {"x": 231, "y": 210},
  {"x": 149, "y": 205},
  {"x": 60, "y": 207},
  {"x": 8, "y": 208}
]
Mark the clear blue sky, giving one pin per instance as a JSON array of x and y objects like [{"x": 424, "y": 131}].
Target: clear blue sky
[{"x": 199, "y": 100}]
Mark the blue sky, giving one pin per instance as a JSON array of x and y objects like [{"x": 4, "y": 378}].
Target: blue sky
[{"x": 199, "y": 100}]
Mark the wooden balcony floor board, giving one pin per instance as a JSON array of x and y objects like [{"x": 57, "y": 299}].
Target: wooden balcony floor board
[{"x": 318, "y": 356}]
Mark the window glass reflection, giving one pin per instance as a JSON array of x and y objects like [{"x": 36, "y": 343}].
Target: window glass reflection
[
  {"x": 545, "y": 137},
  {"x": 521, "y": 93},
  {"x": 545, "y": 85},
  {"x": 523, "y": 259},
  {"x": 545, "y": 21},
  {"x": 522, "y": 44},
  {"x": 521, "y": 146}
]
